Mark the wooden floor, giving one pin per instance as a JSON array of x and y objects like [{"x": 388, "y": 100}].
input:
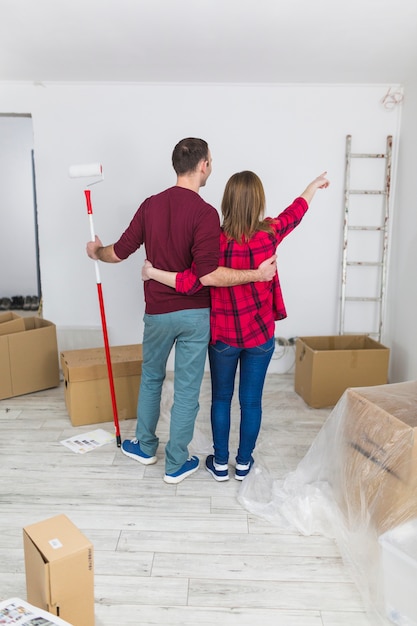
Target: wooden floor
[{"x": 178, "y": 555}]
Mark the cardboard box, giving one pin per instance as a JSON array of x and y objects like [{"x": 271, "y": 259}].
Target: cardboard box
[
  {"x": 28, "y": 355},
  {"x": 399, "y": 567},
  {"x": 326, "y": 366},
  {"x": 377, "y": 452},
  {"x": 60, "y": 570},
  {"x": 87, "y": 390}
]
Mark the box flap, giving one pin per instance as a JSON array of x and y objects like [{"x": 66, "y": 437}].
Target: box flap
[
  {"x": 5, "y": 375},
  {"x": 33, "y": 357},
  {"x": 8, "y": 316},
  {"x": 33, "y": 323},
  {"x": 12, "y": 326},
  {"x": 37, "y": 575}
]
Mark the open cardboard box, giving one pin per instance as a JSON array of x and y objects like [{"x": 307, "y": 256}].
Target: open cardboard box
[
  {"x": 325, "y": 366},
  {"x": 28, "y": 355}
]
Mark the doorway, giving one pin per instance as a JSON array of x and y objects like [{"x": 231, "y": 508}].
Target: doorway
[{"x": 20, "y": 281}]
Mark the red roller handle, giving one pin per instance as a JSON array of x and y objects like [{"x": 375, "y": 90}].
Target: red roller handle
[{"x": 104, "y": 327}]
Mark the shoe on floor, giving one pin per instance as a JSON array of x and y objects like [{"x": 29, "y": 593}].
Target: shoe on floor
[
  {"x": 27, "y": 303},
  {"x": 131, "y": 448},
  {"x": 5, "y": 304},
  {"x": 218, "y": 471},
  {"x": 17, "y": 302},
  {"x": 34, "y": 306},
  {"x": 242, "y": 470},
  {"x": 190, "y": 466}
]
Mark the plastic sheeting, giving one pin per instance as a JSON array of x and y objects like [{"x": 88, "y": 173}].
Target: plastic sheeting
[{"x": 357, "y": 480}]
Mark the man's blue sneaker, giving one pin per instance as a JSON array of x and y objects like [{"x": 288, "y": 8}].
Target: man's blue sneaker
[
  {"x": 243, "y": 469},
  {"x": 219, "y": 472},
  {"x": 131, "y": 447},
  {"x": 187, "y": 469}
]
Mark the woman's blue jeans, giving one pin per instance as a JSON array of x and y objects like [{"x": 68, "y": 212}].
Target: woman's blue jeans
[
  {"x": 189, "y": 331},
  {"x": 253, "y": 365}
]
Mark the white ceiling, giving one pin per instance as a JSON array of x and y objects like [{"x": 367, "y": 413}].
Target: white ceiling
[{"x": 315, "y": 41}]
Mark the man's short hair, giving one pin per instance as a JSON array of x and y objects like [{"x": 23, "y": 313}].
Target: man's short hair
[{"x": 188, "y": 153}]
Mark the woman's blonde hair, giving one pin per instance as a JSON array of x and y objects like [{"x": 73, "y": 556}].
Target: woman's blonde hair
[{"x": 243, "y": 207}]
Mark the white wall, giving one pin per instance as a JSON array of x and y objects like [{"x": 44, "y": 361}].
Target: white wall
[
  {"x": 287, "y": 134},
  {"x": 17, "y": 216},
  {"x": 402, "y": 291}
]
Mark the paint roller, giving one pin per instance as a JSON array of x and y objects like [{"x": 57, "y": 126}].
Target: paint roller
[
  {"x": 95, "y": 170},
  {"x": 87, "y": 170}
]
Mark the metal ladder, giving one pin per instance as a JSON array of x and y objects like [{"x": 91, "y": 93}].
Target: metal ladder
[{"x": 368, "y": 306}]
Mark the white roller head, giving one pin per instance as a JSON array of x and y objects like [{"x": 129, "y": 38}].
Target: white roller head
[{"x": 88, "y": 169}]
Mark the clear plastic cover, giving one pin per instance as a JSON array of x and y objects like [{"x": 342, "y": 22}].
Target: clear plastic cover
[{"x": 357, "y": 481}]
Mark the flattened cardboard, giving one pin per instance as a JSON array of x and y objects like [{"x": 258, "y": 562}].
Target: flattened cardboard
[
  {"x": 59, "y": 567},
  {"x": 87, "y": 391},
  {"x": 325, "y": 366},
  {"x": 28, "y": 356}
]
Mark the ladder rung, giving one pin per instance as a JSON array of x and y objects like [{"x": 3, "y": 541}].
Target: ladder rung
[
  {"x": 359, "y": 332},
  {"x": 365, "y": 192},
  {"x": 366, "y": 228},
  {"x": 365, "y": 263},
  {"x": 357, "y": 155},
  {"x": 360, "y": 299}
]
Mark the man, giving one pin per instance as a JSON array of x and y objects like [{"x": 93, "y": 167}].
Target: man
[{"x": 178, "y": 228}]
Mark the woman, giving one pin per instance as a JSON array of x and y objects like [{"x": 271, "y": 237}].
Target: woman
[{"x": 242, "y": 319}]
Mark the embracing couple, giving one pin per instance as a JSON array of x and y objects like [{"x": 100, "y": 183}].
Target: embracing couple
[{"x": 205, "y": 284}]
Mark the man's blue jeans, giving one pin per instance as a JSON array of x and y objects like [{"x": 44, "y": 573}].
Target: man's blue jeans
[
  {"x": 189, "y": 331},
  {"x": 253, "y": 362}
]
